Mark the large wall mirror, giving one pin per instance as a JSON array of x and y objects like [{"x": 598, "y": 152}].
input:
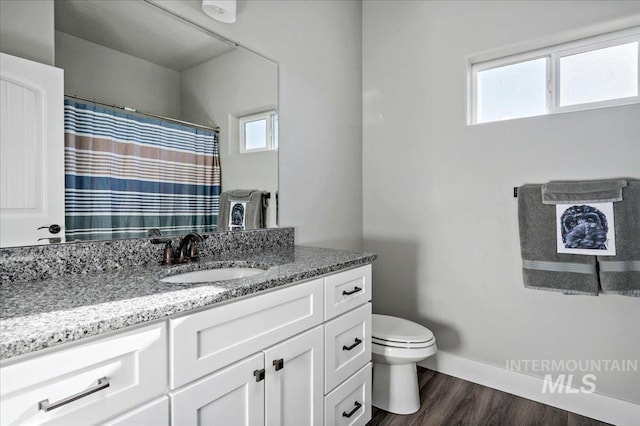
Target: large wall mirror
[{"x": 136, "y": 55}]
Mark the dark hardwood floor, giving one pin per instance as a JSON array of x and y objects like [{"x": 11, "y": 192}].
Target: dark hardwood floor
[{"x": 449, "y": 401}]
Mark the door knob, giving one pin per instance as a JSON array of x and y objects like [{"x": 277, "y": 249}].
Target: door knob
[{"x": 54, "y": 229}]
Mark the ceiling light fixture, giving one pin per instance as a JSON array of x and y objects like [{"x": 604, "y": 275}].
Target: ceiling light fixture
[{"x": 220, "y": 10}]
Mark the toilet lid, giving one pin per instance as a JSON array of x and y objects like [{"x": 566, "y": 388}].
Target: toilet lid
[
  {"x": 395, "y": 329},
  {"x": 404, "y": 345}
]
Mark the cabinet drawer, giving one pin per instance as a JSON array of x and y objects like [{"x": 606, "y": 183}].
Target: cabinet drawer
[
  {"x": 350, "y": 403},
  {"x": 134, "y": 365},
  {"x": 207, "y": 341},
  {"x": 346, "y": 290},
  {"x": 155, "y": 413},
  {"x": 347, "y": 345}
]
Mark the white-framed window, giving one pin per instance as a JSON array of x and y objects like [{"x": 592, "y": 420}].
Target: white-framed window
[
  {"x": 258, "y": 132},
  {"x": 596, "y": 72}
]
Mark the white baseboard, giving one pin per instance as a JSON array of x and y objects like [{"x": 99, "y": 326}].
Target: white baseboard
[{"x": 593, "y": 405}]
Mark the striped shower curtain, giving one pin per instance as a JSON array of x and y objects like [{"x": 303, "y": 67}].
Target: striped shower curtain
[{"x": 126, "y": 174}]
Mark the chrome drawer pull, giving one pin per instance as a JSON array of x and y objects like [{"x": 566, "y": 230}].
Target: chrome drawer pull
[
  {"x": 348, "y": 348},
  {"x": 45, "y": 406},
  {"x": 352, "y": 412},
  {"x": 349, "y": 293}
]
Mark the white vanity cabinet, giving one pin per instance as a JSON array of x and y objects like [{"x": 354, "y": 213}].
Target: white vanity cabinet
[
  {"x": 297, "y": 355},
  {"x": 321, "y": 375}
]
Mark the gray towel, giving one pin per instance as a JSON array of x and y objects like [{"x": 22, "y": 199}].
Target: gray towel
[
  {"x": 621, "y": 273},
  {"x": 255, "y": 214},
  {"x": 542, "y": 266},
  {"x": 595, "y": 191}
]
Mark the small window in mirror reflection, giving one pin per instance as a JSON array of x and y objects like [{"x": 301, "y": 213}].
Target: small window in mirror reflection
[{"x": 258, "y": 132}]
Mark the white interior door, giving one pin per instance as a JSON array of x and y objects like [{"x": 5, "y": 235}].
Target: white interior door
[{"x": 31, "y": 152}]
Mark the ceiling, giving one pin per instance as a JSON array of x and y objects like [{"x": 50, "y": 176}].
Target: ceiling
[{"x": 138, "y": 29}]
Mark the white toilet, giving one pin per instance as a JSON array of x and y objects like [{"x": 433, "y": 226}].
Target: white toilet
[{"x": 396, "y": 345}]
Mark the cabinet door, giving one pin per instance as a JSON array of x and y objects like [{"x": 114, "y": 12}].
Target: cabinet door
[
  {"x": 31, "y": 151},
  {"x": 294, "y": 380},
  {"x": 233, "y": 396}
]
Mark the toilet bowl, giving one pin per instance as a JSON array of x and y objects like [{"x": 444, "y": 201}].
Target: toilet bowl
[{"x": 396, "y": 346}]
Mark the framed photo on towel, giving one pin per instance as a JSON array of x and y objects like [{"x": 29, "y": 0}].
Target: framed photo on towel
[
  {"x": 587, "y": 228},
  {"x": 237, "y": 215}
]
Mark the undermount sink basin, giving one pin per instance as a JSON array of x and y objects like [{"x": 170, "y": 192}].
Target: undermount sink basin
[{"x": 207, "y": 275}]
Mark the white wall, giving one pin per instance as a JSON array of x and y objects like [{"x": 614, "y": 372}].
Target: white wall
[
  {"x": 26, "y": 29},
  {"x": 236, "y": 83},
  {"x": 438, "y": 204},
  {"x": 106, "y": 75},
  {"x": 318, "y": 48}
]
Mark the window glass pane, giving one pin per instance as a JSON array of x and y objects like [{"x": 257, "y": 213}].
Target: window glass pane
[
  {"x": 512, "y": 91},
  {"x": 255, "y": 134},
  {"x": 599, "y": 75}
]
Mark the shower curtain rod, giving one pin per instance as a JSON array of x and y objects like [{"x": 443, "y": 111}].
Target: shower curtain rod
[{"x": 148, "y": 114}]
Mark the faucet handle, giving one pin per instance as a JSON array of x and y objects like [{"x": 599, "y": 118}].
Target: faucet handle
[
  {"x": 155, "y": 232},
  {"x": 167, "y": 258}
]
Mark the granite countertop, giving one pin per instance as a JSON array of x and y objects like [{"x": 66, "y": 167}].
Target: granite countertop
[{"x": 39, "y": 314}]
